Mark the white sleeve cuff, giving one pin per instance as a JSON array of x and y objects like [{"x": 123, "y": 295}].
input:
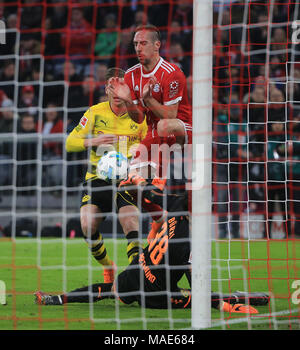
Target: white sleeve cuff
[{"x": 172, "y": 102}]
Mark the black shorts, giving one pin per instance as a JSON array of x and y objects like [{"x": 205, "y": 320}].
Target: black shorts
[
  {"x": 130, "y": 287},
  {"x": 104, "y": 195}
]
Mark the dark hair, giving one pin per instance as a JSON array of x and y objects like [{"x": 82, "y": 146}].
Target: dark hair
[
  {"x": 150, "y": 28},
  {"x": 114, "y": 72},
  {"x": 8, "y": 63},
  {"x": 26, "y": 115}
]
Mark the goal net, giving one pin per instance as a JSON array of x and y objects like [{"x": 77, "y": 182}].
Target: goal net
[
  {"x": 53, "y": 59},
  {"x": 255, "y": 157}
]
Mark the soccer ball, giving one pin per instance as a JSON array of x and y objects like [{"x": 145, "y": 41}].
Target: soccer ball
[{"x": 112, "y": 166}]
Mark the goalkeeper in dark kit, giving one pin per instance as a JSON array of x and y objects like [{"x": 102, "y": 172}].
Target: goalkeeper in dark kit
[{"x": 152, "y": 278}]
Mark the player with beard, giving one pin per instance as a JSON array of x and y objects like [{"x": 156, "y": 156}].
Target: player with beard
[{"x": 158, "y": 89}]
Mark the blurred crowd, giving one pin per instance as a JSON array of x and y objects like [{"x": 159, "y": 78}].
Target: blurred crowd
[
  {"x": 64, "y": 49},
  {"x": 256, "y": 118},
  {"x": 53, "y": 65}
]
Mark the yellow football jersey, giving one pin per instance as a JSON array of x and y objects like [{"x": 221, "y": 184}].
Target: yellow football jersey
[{"x": 100, "y": 119}]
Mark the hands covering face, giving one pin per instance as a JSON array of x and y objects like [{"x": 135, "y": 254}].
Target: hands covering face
[{"x": 118, "y": 88}]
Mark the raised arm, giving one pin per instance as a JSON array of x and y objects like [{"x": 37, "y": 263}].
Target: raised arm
[
  {"x": 120, "y": 89},
  {"x": 162, "y": 111},
  {"x": 80, "y": 138}
]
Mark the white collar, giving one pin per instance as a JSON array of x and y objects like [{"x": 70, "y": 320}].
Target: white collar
[{"x": 154, "y": 70}]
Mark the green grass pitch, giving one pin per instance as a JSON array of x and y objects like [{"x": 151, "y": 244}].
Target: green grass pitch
[{"x": 54, "y": 265}]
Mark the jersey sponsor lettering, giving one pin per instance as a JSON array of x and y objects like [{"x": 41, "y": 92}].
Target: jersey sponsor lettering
[{"x": 148, "y": 274}]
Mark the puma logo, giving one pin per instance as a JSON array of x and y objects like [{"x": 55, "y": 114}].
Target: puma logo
[{"x": 104, "y": 122}]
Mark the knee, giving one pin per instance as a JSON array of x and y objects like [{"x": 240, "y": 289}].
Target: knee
[
  {"x": 163, "y": 128},
  {"x": 167, "y": 127},
  {"x": 130, "y": 224},
  {"x": 129, "y": 221},
  {"x": 89, "y": 224}
]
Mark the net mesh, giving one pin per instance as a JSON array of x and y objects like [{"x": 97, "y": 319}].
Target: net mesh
[
  {"x": 255, "y": 115},
  {"x": 255, "y": 162},
  {"x": 53, "y": 66}
]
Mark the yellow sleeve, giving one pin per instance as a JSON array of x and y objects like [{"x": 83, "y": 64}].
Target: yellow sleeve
[
  {"x": 75, "y": 140},
  {"x": 144, "y": 129}
]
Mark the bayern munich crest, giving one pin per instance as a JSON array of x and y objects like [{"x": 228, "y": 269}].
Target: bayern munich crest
[{"x": 156, "y": 88}]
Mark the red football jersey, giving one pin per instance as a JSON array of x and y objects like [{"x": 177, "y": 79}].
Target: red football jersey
[{"x": 171, "y": 88}]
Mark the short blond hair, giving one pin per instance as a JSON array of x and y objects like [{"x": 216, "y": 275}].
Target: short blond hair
[{"x": 114, "y": 72}]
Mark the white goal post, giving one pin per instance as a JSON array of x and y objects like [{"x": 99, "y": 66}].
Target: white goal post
[{"x": 202, "y": 140}]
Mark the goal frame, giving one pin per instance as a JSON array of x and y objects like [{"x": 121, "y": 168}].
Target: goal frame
[{"x": 201, "y": 231}]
